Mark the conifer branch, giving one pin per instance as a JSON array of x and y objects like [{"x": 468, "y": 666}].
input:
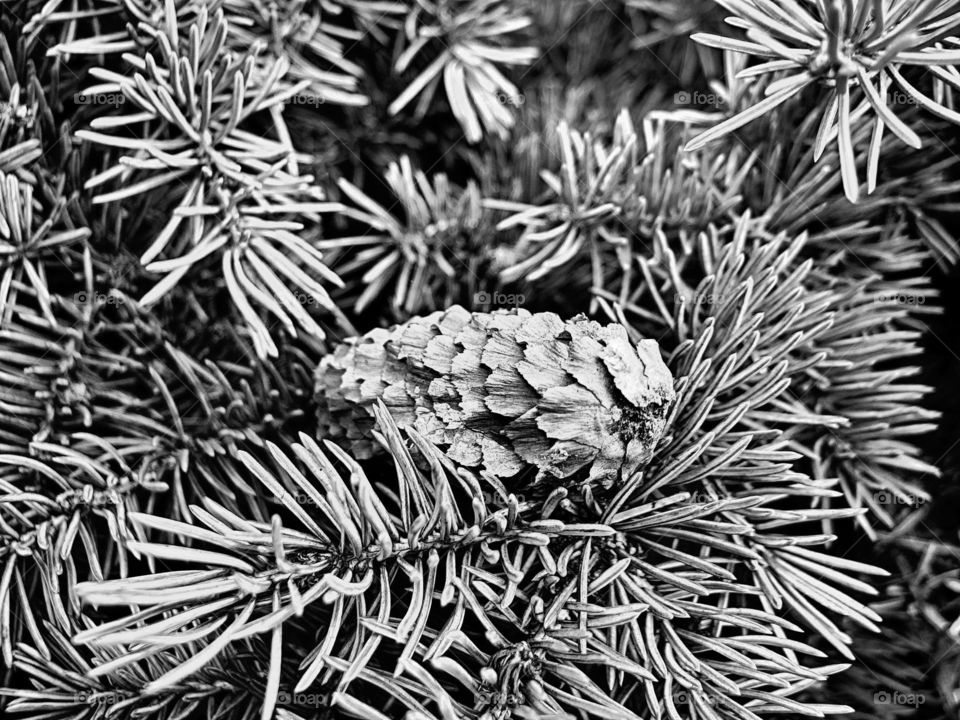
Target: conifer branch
[
  {"x": 715, "y": 498},
  {"x": 858, "y": 50},
  {"x": 467, "y": 42},
  {"x": 357, "y": 539},
  {"x": 420, "y": 260}
]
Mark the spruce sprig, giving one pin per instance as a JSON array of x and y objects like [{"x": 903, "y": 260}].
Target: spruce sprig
[
  {"x": 369, "y": 558},
  {"x": 28, "y": 243},
  {"x": 607, "y": 200},
  {"x": 233, "y": 195},
  {"x": 313, "y": 38},
  {"x": 167, "y": 451},
  {"x": 467, "y": 41},
  {"x": 419, "y": 253},
  {"x": 859, "y": 50}
]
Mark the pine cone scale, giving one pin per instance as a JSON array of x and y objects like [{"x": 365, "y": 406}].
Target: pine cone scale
[{"x": 506, "y": 390}]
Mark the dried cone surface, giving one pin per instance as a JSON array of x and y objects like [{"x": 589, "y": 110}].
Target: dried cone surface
[{"x": 504, "y": 391}]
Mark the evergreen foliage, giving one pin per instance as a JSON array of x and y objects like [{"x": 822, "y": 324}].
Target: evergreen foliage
[{"x": 478, "y": 359}]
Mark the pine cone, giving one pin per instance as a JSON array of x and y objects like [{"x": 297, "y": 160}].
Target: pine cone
[{"x": 504, "y": 391}]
